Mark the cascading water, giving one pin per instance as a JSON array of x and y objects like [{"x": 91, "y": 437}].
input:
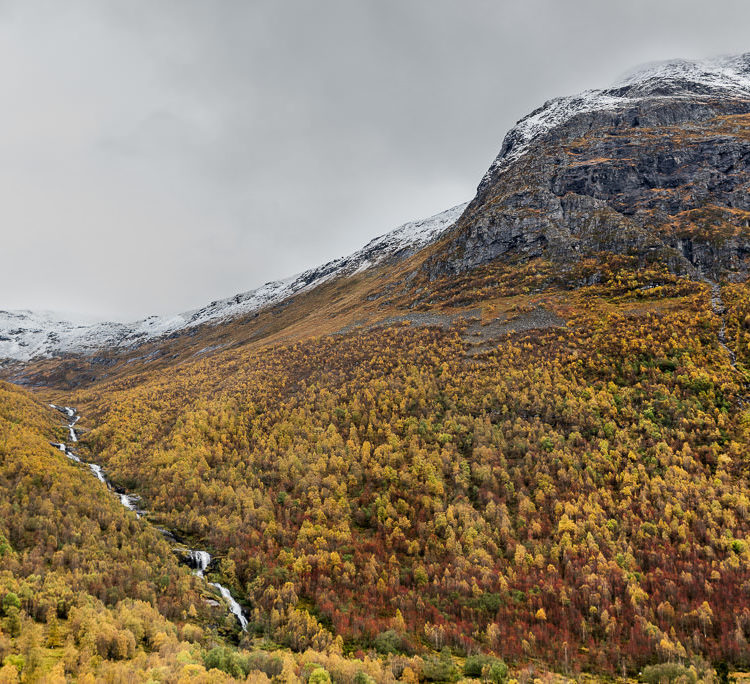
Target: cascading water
[
  {"x": 199, "y": 560},
  {"x": 70, "y": 412},
  {"x": 73, "y": 419},
  {"x": 233, "y": 605},
  {"x": 66, "y": 451},
  {"x": 97, "y": 470},
  {"x": 128, "y": 500}
]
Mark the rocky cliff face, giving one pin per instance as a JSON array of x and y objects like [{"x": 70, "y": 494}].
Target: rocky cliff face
[{"x": 657, "y": 166}]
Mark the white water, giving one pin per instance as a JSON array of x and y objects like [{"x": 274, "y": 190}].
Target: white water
[
  {"x": 199, "y": 559},
  {"x": 233, "y": 605},
  {"x": 70, "y": 412},
  {"x": 66, "y": 451},
  {"x": 97, "y": 470},
  {"x": 128, "y": 500}
]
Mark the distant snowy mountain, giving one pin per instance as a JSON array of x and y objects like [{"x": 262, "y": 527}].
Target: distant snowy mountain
[
  {"x": 25, "y": 335},
  {"x": 718, "y": 77}
]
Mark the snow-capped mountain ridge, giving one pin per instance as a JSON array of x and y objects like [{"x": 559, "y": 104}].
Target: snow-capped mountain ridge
[
  {"x": 25, "y": 335},
  {"x": 727, "y": 76},
  {"x": 719, "y": 75}
]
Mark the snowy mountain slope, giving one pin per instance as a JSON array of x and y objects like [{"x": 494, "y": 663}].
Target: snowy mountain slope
[
  {"x": 25, "y": 335},
  {"x": 627, "y": 170},
  {"x": 718, "y": 77}
]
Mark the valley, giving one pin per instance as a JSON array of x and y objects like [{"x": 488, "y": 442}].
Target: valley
[
  {"x": 198, "y": 559},
  {"x": 506, "y": 442}
]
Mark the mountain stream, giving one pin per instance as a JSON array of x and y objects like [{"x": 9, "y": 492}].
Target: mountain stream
[{"x": 198, "y": 559}]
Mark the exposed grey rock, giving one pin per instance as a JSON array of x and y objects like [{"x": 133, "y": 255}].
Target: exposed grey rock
[{"x": 657, "y": 168}]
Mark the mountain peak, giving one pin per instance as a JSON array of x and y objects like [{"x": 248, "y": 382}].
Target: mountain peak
[
  {"x": 727, "y": 77},
  {"x": 715, "y": 76},
  {"x": 656, "y": 168}
]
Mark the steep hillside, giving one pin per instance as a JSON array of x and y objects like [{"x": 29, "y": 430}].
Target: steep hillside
[
  {"x": 84, "y": 585},
  {"x": 522, "y": 434},
  {"x": 91, "y": 591},
  {"x": 581, "y": 484}
]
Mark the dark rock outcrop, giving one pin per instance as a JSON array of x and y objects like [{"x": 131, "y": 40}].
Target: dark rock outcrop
[{"x": 657, "y": 168}]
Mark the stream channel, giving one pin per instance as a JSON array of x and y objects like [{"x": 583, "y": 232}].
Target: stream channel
[{"x": 198, "y": 559}]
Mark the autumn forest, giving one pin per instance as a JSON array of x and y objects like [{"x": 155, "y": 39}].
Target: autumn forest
[{"x": 406, "y": 501}]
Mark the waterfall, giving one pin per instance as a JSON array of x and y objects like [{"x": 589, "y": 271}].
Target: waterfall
[
  {"x": 97, "y": 470},
  {"x": 73, "y": 418},
  {"x": 233, "y": 605},
  {"x": 71, "y": 429},
  {"x": 128, "y": 500},
  {"x": 70, "y": 412},
  {"x": 200, "y": 560},
  {"x": 66, "y": 451}
]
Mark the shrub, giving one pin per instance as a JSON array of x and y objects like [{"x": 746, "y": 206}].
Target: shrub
[
  {"x": 497, "y": 672},
  {"x": 440, "y": 669},
  {"x": 11, "y": 600},
  {"x": 390, "y": 641},
  {"x": 319, "y": 676},
  {"x": 665, "y": 673},
  {"x": 486, "y": 667},
  {"x": 226, "y": 660},
  {"x": 270, "y": 665},
  {"x": 474, "y": 664}
]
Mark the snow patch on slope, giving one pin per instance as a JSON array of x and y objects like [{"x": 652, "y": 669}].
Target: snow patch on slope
[
  {"x": 720, "y": 76},
  {"x": 25, "y": 335}
]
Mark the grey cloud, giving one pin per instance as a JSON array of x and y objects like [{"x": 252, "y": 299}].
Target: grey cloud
[{"x": 157, "y": 155}]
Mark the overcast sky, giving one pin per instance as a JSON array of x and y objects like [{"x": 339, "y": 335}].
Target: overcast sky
[{"x": 158, "y": 154}]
